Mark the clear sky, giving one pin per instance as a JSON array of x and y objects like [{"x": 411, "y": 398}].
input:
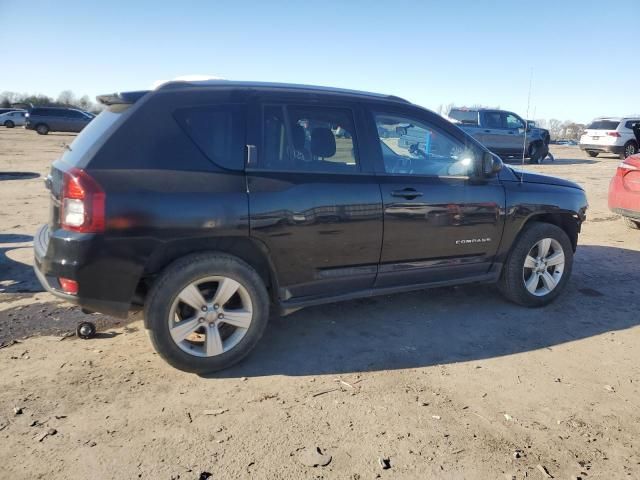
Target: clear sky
[{"x": 584, "y": 54}]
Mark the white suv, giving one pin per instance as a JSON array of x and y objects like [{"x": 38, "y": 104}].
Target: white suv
[{"x": 610, "y": 135}]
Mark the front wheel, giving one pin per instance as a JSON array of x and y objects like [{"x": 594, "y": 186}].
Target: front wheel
[
  {"x": 42, "y": 129},
  {"x": 206, "y": 312},
  {"x": 9, "y": 124},
  {"x": 592, "y": 154},
  {"x": 538, "y": 267}
]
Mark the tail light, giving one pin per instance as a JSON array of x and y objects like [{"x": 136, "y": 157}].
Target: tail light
[
  {"x": 68, "y": 286},
  {"x": 613, "y": 134},
  {"x": 82, "y": 203},
  {"x": 629, "y": 170}
]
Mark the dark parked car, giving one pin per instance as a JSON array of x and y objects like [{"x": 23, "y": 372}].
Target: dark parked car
[
  {"x": 207, "y": 203},
  {"x": 504, "y": 133},
  {"x": 52, "y": 119}
]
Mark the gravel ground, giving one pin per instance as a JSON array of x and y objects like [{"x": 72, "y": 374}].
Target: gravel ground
[{"x": 449, "y": 383}]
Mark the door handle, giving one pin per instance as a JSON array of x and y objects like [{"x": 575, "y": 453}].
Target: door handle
[
  {"x": 487, "y": 131},
  {"x": 408, "y": 193}
]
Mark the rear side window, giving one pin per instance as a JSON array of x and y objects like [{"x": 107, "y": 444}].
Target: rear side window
[
  {"x": 493, "y": 120},
  {"x": 632, "y": 123},
  {"x": 308, "y": 138},
  {"x": 465, "y": 117},
  {"x": 604, "y": 125},
  {"x": 218, "y": 131}
]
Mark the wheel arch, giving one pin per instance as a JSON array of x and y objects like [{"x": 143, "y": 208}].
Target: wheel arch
[
  {"x": 569, "y": 222},
  {"x": 250, "y": 250}
]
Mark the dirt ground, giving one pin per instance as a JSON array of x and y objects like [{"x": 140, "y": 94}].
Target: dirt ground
[{"x": 450, "y": 383}]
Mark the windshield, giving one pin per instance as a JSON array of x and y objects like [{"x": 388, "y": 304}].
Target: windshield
[
  {"x": 91, "y": 134},
  {"x": 603, "y": 125}
]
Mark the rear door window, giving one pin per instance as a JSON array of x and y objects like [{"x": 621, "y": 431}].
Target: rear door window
[
  {"x": 309, "y": 138},
  {"x": 218, "y": 131},
  {"x": 493, "y": 120}
]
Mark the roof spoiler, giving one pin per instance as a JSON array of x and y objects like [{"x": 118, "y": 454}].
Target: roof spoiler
[{"x": 123, "y": 98}]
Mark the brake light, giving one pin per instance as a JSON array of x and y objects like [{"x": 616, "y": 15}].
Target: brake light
[
  {"x": 68, "y": 285},
  {"x": 630, "y": 174},
  {"x": 82, "y": 203},
  {"x": 613, "y": 134}
]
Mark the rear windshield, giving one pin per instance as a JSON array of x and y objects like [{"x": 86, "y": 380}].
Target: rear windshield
[
  {"x": 91, "y": 134},
  {"x": 464, "y": 116},
  {"x": 603, "y": 125}
]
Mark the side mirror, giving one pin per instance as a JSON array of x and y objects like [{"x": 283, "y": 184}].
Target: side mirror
[{"x": 491, "y": 164}]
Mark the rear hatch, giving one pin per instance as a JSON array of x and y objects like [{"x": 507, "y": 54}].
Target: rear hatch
[
  {"x": 78, "y": 154},
  {"x": 601, "y": 132}
]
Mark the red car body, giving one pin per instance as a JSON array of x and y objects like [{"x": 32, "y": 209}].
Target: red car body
[{"x": 624, "y": 191}]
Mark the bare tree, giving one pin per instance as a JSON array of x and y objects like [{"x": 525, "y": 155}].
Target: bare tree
[{"x": 67, "y": 97}]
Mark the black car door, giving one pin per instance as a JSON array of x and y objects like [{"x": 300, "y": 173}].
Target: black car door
[
  {"x": 439, "y": 224},
  {"x": 313, "y": 197}
]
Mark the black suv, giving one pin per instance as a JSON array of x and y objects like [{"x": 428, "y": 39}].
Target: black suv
[
  {"x": 209, "y": 202},
  {"x": 52, "y": 119}
]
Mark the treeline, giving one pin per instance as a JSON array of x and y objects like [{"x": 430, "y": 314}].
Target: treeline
[{"x": 66, "y": 99}]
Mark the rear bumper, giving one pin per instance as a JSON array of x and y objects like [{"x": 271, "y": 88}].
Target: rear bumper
[
  {"x": 632, "y": 214},
  {"x": 104, "y": 286},
  {"x": 602, "y": 148}
]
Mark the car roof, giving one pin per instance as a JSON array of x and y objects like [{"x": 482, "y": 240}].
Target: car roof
[
  {"x": 291, "y": 87},
  {"x": 617, "y": 119}
]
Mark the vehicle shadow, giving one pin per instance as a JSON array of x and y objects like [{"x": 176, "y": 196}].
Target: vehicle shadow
[
  {"x": 448, "y": 325},
  {"x": 18, "y": 175},
  {"x": 16, "y": 276},
  {"x": 557, "y": 161}
]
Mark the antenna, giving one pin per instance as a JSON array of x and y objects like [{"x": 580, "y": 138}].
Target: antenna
[{"x": 526, "y": 125}]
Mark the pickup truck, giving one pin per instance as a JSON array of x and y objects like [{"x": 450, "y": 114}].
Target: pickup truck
[{"x": 504, "y": 133}]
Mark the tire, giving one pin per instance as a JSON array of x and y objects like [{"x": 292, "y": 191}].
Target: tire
[
  {"x": 536, "y": 152},
  {"x": 207, "y": 272},
  {"x": 630, "y": 148},
  {"x": 515, "y": 272},
  {"x": 42, "y": 128},
  {"x": 631, "y": 223},
  {"x": 592, "y": 154},
  {"x": 9, "y": 124}
]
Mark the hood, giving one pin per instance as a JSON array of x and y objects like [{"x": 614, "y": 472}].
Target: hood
[{"x": 531, "y": 177}]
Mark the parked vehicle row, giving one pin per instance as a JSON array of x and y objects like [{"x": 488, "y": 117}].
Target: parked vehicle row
[
  {"x": 209, "y": 203},
  {"x": 46, "y": 119}
]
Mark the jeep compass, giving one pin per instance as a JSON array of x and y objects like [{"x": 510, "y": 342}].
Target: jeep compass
[{"x": 208, "y": 203}]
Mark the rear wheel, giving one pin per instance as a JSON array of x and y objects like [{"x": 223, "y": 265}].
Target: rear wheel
[
  {"x": 538, "y": 267},
  {"x": 9, "y": 124},
  {"x": 42, "y": 128},
  {"x": 592, "y": 154},
  {"x": 206, "y": 312},
  {"x": 630, "y": 148},
  {"x": 631, "y": 223}
]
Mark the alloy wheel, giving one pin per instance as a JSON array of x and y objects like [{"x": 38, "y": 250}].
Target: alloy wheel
[
  {"x": 543, "y": 267},
  {"x": 629, "y": 150},
  {"x": 210, "y": 316}
]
